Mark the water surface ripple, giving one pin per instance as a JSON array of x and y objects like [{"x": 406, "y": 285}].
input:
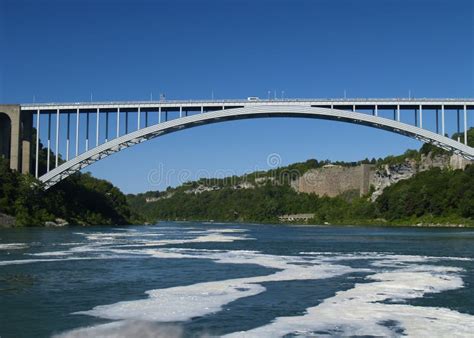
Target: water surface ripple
[{"x": 236, "y": 280}]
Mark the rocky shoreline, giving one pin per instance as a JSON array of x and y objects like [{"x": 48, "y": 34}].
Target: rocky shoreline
[{"x": 7, "y": 221}]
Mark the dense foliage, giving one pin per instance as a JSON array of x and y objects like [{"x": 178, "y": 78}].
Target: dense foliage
[
  {"x": 433, "y": 196},
  {"x": 262, "y": 204},
  {"x": 80, "y": 199},
  {"x": 435, "y": 193}
]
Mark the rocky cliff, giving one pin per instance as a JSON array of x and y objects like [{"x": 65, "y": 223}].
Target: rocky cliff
[
  {"x": 390, "y": 174},
  {"x": 335, "y": 180}
]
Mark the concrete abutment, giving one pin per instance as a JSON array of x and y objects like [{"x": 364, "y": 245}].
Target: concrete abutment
[{"x": 16, "y": 129}]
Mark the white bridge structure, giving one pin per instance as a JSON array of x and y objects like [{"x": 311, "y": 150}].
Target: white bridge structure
[{"x": 78, "y": 134}]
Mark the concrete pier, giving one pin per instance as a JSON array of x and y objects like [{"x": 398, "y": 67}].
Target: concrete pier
[{"x": 15, "y": 138}]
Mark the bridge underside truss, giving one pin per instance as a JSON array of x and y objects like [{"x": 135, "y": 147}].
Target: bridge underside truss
[{"x": 83, "y": 160}]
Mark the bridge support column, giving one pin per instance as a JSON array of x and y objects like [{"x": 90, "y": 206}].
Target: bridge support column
[
  {"x": 68, "y": 135},
  {"x": 38, "y": 125},
  {"x": 87, "y": 131},
  {"x": 118, "y": 122},
  {"x": 56, "y": 148},
  {"x": 15, "y": 141},
  {"x": 442, "y": 120},
  {"x": 77, "y": 132},
  {"x": 138, "y": 118},
  {"x": 421, "y": 116},
  {"x": 126, "y": 122},
  {"x": 97, "y": 116},
  {"x": 465, "y": 124},
  {"x": 26, "y": 136},
  {"x": 459, "y": 125},
  {"x": 106, "y": 126},
  {"x": 48, "y": 156}
]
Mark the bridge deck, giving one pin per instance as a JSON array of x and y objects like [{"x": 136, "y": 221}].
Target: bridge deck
[{"x": 381, "y": 103}]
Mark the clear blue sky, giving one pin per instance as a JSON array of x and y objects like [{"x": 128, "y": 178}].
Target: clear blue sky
[{"x": 123, "y": 50}]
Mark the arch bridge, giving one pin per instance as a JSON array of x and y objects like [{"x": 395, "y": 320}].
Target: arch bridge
[{"x": 55, "y": 140}]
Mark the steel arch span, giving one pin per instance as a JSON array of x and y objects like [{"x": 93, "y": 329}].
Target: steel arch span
[{"x": 83, "y": 160}]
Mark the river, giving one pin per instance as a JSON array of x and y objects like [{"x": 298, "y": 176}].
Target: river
[{"x": 236, "y": 280}]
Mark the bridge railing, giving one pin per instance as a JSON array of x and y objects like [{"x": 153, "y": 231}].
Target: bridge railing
[{"x": 244, "y": 101}]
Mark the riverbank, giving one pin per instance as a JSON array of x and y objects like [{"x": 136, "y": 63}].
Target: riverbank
[{"x": 354, "y": 223}]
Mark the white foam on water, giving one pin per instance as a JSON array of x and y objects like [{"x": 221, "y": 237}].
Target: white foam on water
[
  {"x": 68, "y": 244},
  {"x": 13, "y": 246},
  {"x": 361, "y": 311},
  {"x": 175, "y": 228},
  {"x": 84, "y": 248},
  {"x": 106, "y": 236},
  {"x": 185, "y": 302},
  {"x": 224, "y": 231},
  {"x": 218, "y": 237},
  {"x": 103, "y": 242},
  {"x": 52, "y": 253},
  {"x": 178, "y": 303},
  {"x": 205, "y": 235},
  {"x": 125, "y": 329},
  {"x": 207, "y": 238},
  {"x": 120, "y": 236},
  {"x": 394, "y": 258}
]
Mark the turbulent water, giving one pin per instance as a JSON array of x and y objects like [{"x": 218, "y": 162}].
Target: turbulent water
[{"x": 236, "y": 280}]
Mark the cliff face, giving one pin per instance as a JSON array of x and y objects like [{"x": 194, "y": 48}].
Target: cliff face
[
  {"x": 335, "y": 180},
  {"x": 391, "y": 174}
]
